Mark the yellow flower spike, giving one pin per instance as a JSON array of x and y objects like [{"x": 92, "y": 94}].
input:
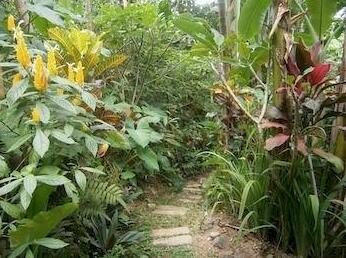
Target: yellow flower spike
[
  {"x": 77, "y": 101},
  {"x": 22, "y": 52},
  {"x": 59, "y": 91},
  {"x": 35, "y": 115},
  {"x": 11, "y": 25},
  {"x": 51, "y": 63},
  {"x": 70, "y": 72},
  {"x": 16, "y": 78},
  {"x": 80, "y": 74},
  {"x": 40, "y": 76}
]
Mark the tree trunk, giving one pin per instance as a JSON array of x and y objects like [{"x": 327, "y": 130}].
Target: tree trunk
[
  {"x": 22, "y": 10},
  {"x": 88, "y": 14},
  {"x": 279, "y": 53}
]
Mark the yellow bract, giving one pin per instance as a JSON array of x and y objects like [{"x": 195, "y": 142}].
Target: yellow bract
[
  {"x": 77, "y": 101},
  {"x": 51, "y": 63},
  {"x": 22, "y": 52},
  {"x": 80, "y": 74},
  {"x": 35, "y": 115},
  {"x": 16, "y": 78},
  {"x": 40, "y": 76},
  {"x": 70, "y": 72},
  {"x": 11, "y": 25},
  {"x": 59, "y": 91}
]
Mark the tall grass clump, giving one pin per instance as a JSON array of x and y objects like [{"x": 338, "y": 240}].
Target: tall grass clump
[{"x": 274, "y": 199}]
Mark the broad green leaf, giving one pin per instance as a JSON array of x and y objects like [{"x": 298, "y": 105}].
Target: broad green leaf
[
  {"x": 65, "y": 104},
  {"x": 117, "y": 140},
  {"x": 19, "y": 142},
  {"x": 71, "y": 191},
  {"x": 39, "y": 200},
  {"x": 149, "y": 157},
  {"x": 93, "y": 170},
  {"x": 336, "y": 161},
  {"x": 61, "y": 136},
  {"x": 89, "y": 99},
  {"x": 40, "y": 143},
  {"x": 48, "y": 170},
  {"x": 18, "y": 251},
  {"x": 80, "y": 179},
  {"x": 91, "y": 144},
  {"x": 44, "y": 112},
  {"x": 47, "y": 13},
  {"x": 321, "y": 14},
  {"x": 40, "y": 225},
  {"x": 53, "y": 180},
  {"x": 25, "y": 199},
  {"x": 251, "y": 17},
  {"x": 4, "y": 170},
  {"x": 10, "y": 186},
  {"x": 51, "y": 243},
  {"x": 11, "y": 209},
  {"x": 68, "y": 129},
  {"x": 127, "y": 175},
  {"x": 30, "y": 184},
  {"x": 16, "y": 92},
  {"x": 140, "y": 136}
]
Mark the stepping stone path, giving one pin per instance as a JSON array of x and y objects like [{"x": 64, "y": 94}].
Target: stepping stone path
[{"x": 176, "y": 236}]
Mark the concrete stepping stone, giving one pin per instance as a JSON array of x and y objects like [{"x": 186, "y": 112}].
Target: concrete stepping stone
[
  {"x": 193, "y": 197},
  {"x": 193, "y": 185},
  {"x": 193, "y": 190},
  {"x": 189, "y": 200},
  {"x": 167, "y": 232},
  {"x": 170, "y": 210},
  {"x": 174, "y": 241}
]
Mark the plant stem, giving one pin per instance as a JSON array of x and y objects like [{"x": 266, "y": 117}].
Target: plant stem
[{"x": 312, "y": 175}]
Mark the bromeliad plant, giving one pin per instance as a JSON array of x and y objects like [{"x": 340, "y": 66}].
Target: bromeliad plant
[
  {"x": 45, "y": 132},
  {"x": 308, "y": 101}
]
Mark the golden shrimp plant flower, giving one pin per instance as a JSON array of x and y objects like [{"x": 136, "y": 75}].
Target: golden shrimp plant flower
[
  {"x": 11, "y": 25},
  {"x": 16, "y": 78},
  {"x": 40, "y": 75},
  {"x": 22, "y": 52},
  {"x": 70, "y": 75},
  {"x": 51, "y": 63},
  {"x": 35, "y": 115},
  {"x": 79, "y": 74}
]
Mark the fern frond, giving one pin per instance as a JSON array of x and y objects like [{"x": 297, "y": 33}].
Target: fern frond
[{"x": 110, "y": 63}]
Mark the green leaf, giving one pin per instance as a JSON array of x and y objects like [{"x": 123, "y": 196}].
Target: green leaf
[
  {"x": 19, "y": 142},
  {"x": 29, "y": 254},
  {"x": 4, "y": 170},
  {"x": 47, "y": 13},
  {"x": 336, "y": 161},
  {"x": 93, "y": 170},
  {"x": 321, "y": 14},
  {"x": 44, "y": 112},
  {"x": 18, "y": 251},
  {"x": 91, "y": 144},
  {"x": 40, "y": 143},
  {"x": 140, "y": 136},
  {"x": 51, "y": 243},
  {"x": 117, "y": 140},
  {"x": 61, "y": 102},
  {"x": 80, "y": 179},
  {"x": 244, "y": 196},
  {"x": 11, "y": 209},
  {"x": 61, "y": 136},
  {"x": 53, "y": 180},
  {"x": 89, "y": 99},
  {"x": 30, "y": 184},
  {"x": 10, "y": 186},
  {"x": 39, "y": 200},
  {"x": 251, "y": 17},
  {"x": 14, "y": 93},
  {"x": 149, "y": 157},
  {"x": 40, "y": 225},
  {"x": 127, "y": 175},
  {"x": 25, "y": 199},
  {"x": 315, "y": 205}
]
